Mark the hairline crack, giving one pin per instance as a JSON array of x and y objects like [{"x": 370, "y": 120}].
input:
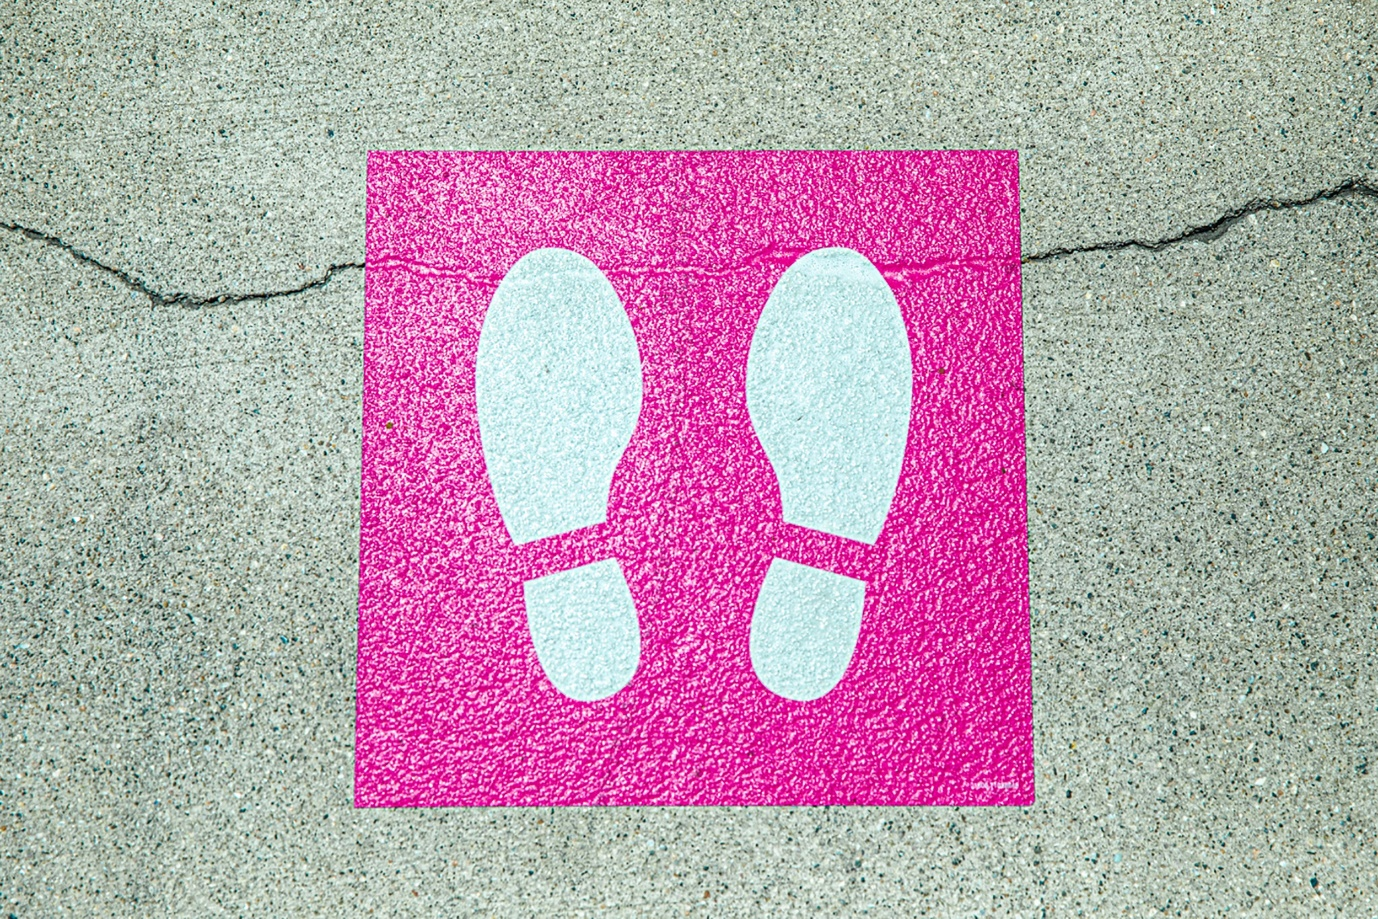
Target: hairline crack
[
  {"x": 1208, "y": 232},
  {"x": 192, "y": 301}
]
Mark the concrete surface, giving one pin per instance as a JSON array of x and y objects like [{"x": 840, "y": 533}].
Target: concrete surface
[{"x": 178, "y": 479}]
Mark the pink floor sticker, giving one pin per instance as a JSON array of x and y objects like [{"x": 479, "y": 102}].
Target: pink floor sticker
[{"x": 455, "y": 707}]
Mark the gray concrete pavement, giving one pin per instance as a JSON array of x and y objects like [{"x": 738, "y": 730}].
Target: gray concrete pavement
[
  {"x": 179, "y": 484},
  {"x": 220, "y": 149}
]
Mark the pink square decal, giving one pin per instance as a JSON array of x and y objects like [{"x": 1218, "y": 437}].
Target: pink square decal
[{"x": 455, "y": 706}]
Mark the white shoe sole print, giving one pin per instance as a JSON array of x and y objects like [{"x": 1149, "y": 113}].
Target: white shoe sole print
[
  {"x": 829, "y": 391},
  {"x": 559, "y": 392}
]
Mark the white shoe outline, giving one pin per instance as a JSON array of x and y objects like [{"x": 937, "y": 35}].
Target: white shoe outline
[
  {"x": 829, "y": 394},
  {"x": 559, "y": 391}
]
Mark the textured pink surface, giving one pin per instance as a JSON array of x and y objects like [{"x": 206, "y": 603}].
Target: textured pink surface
[{"x": 453, "y": 707}]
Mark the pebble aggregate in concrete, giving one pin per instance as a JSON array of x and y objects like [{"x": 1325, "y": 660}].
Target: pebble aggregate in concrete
[
  {"x": 179, "y": 485},
  {"x": 179, "y": 496},
  {"x": 213, "y": 149}
]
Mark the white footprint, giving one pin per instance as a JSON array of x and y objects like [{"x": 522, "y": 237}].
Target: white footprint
[
  {"x": 829, "y": 385},
  {"x": 559, "y": 391}
]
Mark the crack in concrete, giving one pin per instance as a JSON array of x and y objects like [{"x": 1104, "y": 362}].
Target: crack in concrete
[
  {"x": 192, "y": 301},
  {"x": 770, "y": 254},
  {"x": 1209, "y": 232}
]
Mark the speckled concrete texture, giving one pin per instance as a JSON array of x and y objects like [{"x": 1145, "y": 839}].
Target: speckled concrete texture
[
  {"x": 218, "y": 148},
  {"x": 179, "y": 480}
]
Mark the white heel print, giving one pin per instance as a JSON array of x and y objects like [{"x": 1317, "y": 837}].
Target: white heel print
[
  {"x": 559, "y": 391},
  {"x": 829, "y": 390}
]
